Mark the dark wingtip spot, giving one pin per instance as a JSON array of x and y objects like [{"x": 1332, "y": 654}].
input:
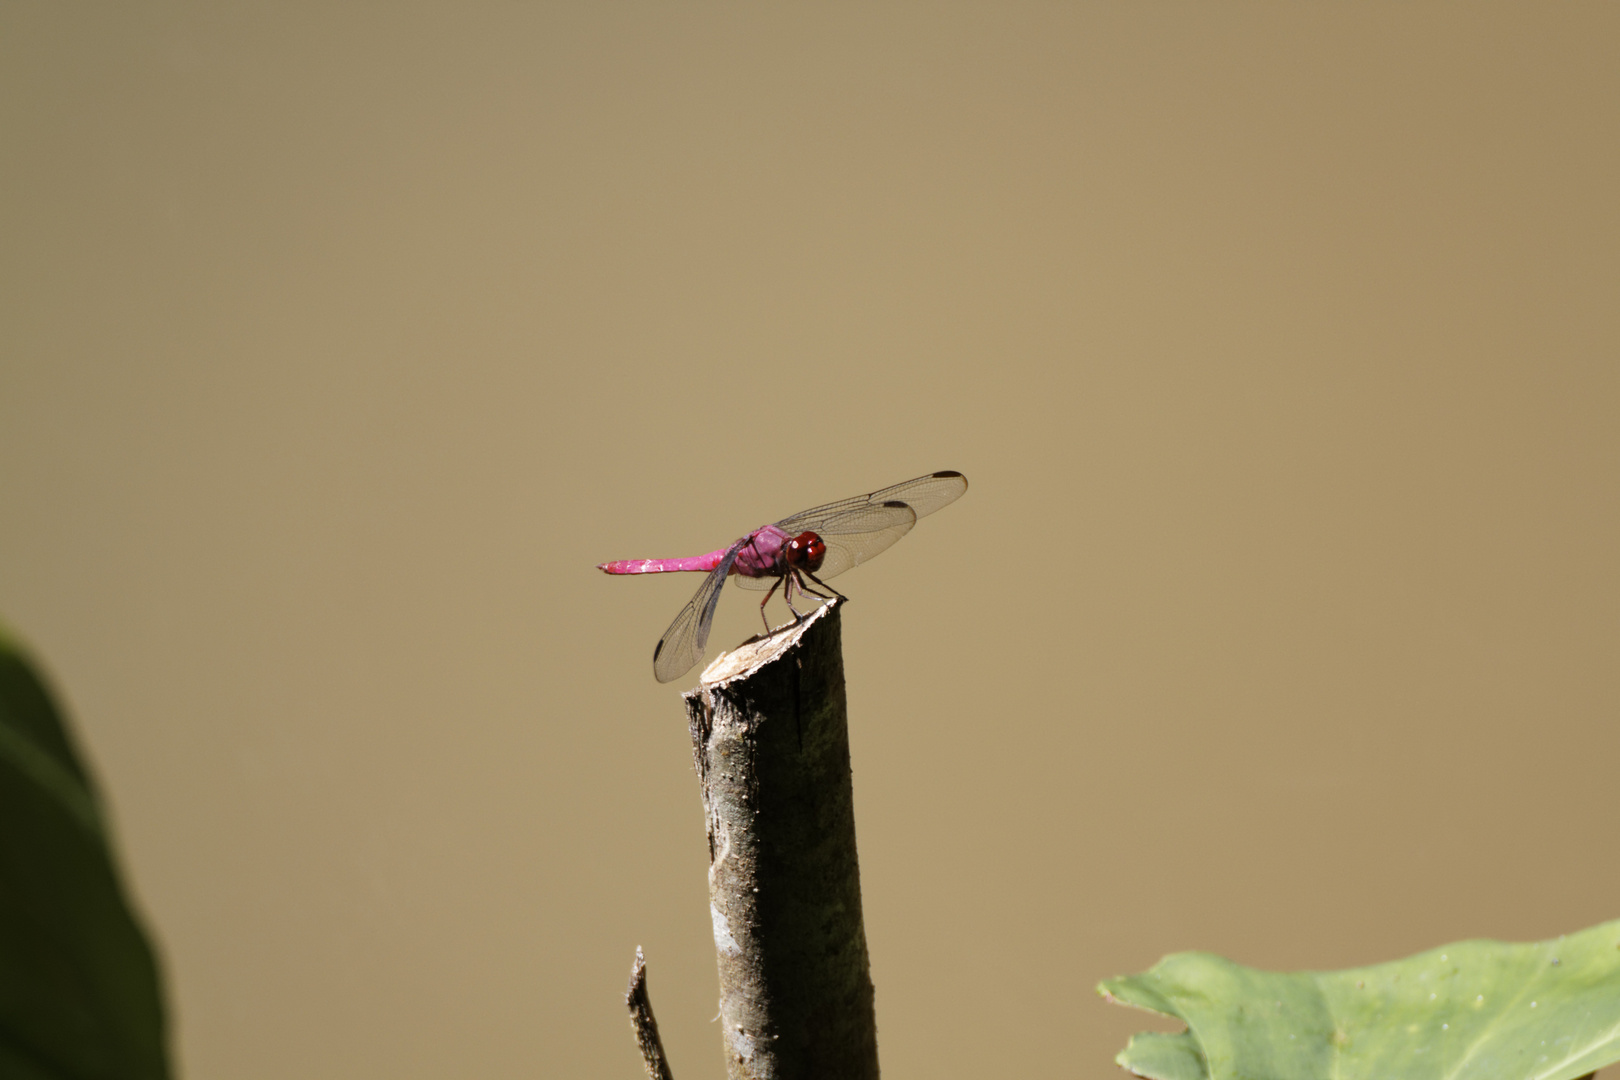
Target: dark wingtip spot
[
  {"x": 896, "y": 502},
  {"x": 656, "y": 650},
  {"x": 947, "y": 472}
]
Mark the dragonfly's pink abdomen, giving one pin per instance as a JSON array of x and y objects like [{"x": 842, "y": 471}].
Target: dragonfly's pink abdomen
[
  {"x": 704, "y": 563},
  {"x": 757, "y": 558}
]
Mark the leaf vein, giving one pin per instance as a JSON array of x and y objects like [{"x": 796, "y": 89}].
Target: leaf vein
[{"x": 1587, "y": 1049}]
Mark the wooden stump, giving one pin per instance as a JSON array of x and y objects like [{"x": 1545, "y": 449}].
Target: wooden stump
[{"x": 771, "y": 739}]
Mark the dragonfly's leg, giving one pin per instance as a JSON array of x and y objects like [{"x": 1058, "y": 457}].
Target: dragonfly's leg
[
  {"x": 793, "y": 578},
  {"x": 824, "y": 585},
  {"x": 765, "y": 601}
]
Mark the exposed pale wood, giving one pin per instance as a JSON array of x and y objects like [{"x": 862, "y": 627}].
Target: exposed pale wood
[{"x": 771, "y": 739}]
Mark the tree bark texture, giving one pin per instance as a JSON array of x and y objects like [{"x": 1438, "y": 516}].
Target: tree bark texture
[{"x": 771, "y": 738}]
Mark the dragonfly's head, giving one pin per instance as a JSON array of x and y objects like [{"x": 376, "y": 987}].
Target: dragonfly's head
[{"x": 805, "y": 552}]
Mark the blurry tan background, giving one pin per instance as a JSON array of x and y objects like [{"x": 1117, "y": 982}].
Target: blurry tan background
[{"x": 1281, "y": 345}]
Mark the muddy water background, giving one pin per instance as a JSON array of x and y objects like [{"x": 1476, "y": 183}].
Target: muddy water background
[{"x": 1280, "y": 345}]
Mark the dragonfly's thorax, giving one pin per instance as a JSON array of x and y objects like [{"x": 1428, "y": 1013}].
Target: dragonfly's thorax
[{"x": 763, "y": 554}]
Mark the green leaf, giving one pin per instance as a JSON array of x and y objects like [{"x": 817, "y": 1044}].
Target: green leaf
[
  {"x": 79, "y": 992},
  {"x": 1476, "y": 1010}
]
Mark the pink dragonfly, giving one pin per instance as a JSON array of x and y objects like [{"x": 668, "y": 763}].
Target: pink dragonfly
[{"x": 826, "y": 541}]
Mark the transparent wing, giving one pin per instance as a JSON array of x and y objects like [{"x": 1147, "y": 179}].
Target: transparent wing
[
  {"x": 924, "y": 495},
  {"x": 860, "y": 533},
  {"x": 852, "y": 536},
  {"x": 682, "y": 645}
]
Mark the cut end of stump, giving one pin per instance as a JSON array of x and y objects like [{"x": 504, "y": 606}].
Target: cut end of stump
[{"x": 755, "y": 653}]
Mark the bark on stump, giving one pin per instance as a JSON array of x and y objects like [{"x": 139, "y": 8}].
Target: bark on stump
[{"x": 771, "y": 739}]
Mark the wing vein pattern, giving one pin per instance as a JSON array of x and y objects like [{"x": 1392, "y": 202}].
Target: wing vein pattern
[{"x": 682, "y": 645}]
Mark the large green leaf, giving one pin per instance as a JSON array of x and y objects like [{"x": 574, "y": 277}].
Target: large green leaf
[
  {"x": 1476, "y": 1010},
  {"x": 79, "y": 993}
]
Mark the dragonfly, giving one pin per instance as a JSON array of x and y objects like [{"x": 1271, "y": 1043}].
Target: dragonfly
[{"x": 815, "y": 544}]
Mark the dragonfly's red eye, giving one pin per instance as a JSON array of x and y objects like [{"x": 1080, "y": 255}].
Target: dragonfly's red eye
[{"x": 806, "y": 552}]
